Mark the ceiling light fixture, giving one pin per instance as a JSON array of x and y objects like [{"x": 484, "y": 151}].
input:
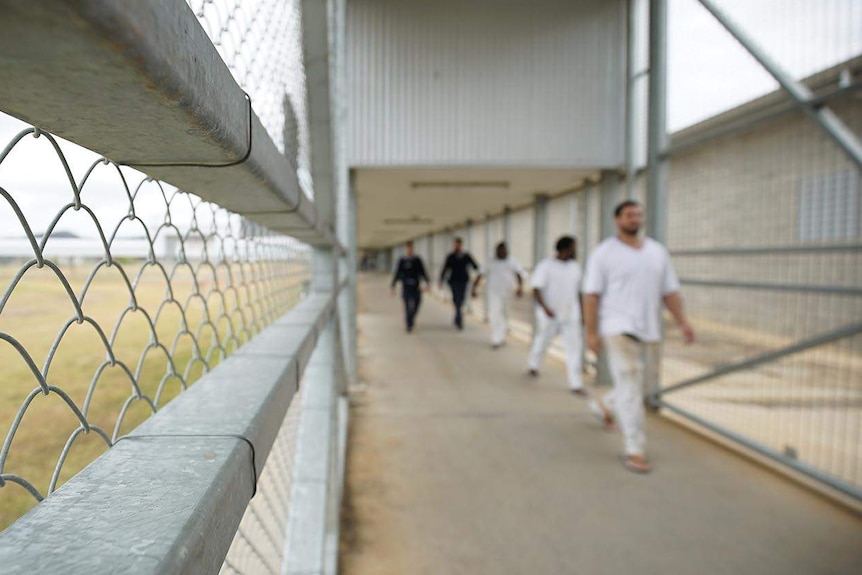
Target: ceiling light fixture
[
  {"x": 477, "y": 186},
  {"x": 411, "y": 221}
]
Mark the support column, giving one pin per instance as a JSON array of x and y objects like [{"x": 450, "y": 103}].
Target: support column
[
  {"x": 346, "y": 233},
  {"x": 540, "y": 229},
  {"x": 489, "y": 255},
  {"x": 468, "y": 243},
  {"x": 610, "y": 195},
  {"x": 507, "y": 225},
  {"x": 540, "y": 239},
  {"x": 489, "y": 249},
  {"x": 631, "y": 108},
  {"x": 576, "y": 226},
  {"x": 657, "y": 175},
  {"x": 588, "y": 224},
  {"x": 657, "y": 139},
  {"x": 430, "y": 261}
]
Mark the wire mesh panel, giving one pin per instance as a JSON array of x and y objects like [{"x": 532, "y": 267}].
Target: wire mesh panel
[
  {"x": 118, "y": 292},
  {"x": 261, "y": 43},
  {"x": 259, "y": 544},
  {"x": 763, "y": 224}
]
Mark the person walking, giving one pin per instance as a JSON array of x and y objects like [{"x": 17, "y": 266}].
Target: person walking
[
  {"x": 628, "y": 278},
  {"x": 456, "y": 273},
  {"x": 555, "y": 284},
  {"x": 410, "y": 271},
  {"x": 503, "y": 274}
]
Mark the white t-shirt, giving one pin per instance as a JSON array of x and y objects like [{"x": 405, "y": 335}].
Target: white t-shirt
[
  {"x": 500, "y": 275},
  {"x": 559, "y": 281},
  {"x": 631, "y": 284}
]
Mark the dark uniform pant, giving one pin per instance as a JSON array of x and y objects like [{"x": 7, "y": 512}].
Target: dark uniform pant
[
  {"x": 459, "y": 292},
  {"x": 412, "y": 296}
]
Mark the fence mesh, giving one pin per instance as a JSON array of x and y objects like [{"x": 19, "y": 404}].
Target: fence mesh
[
  {"x": 259, "y": 544},
  {"x": 261, "y": 43},
  {"x": 118, "y": 292},
  {"x": 763, "y": 224}
]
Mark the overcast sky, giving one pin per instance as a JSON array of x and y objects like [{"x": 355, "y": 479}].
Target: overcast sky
[{"x": 708, "y": 73}]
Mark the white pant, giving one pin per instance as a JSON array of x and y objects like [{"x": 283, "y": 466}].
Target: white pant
[
  {"x": 497, "y": 317},
  {"x": 634, "y": 367},
  {"x": 570, "y": 335}
]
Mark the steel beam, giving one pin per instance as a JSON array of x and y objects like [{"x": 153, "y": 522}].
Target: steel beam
[
  {"x": 317, "y": 47},
  {"x": 768, "y": 250},
  {"x": 657, "y": 140},
  {"x": 799, "y": 92},
  {"x": 507, "y": 225},
  {"x": 768, "y": 452},
  {"x": 149, "y": 89},
  {"x": 631, "y": 109},
  {"x": 834, "y": 290},
  {"x": 190, "y": 469},
  {"x": 541, "y": 239},
  {"x": 804, "y": 345},
  {"x": 610, "y": 196}
]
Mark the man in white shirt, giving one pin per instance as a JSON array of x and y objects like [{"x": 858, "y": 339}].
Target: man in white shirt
[
  {"x": 555, "y": 283},
  {"x": 628, "y": 279},
  {"x": 503, "y": 274}
]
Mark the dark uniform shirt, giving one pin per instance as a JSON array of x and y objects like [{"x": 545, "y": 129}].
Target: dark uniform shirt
[
  {"x": 457, "y": 264},
  {"x": 409, "y": 272}
]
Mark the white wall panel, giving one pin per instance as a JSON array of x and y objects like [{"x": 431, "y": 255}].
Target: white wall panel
[{"x": 485, "y": 82}]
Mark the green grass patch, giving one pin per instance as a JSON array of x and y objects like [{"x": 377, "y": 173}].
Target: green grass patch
[{"x": 41, "y": 317}]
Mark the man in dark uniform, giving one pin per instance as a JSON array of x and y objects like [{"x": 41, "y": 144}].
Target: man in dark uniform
[
  {"x": 456, "y": 271},
  {"x": 410, "y": 271}
]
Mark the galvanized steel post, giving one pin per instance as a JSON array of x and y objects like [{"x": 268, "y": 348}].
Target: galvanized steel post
[
  {"x": 657, "y": 175},
  {"x": 507, "y": 225},
  {"x": 631, "y": 109},
  {"x": 799, "y": 92},
  {"x": 609, "y": 188},
  {"x": 540, "y": 237},
  {"x": 540, "y": 230}
]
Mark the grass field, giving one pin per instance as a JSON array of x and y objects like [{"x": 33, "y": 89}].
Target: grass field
[{"x": 35, "y": 316}]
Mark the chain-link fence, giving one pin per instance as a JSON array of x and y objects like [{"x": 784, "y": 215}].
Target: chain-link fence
[
  {"x": 763, "y": 223},
  {"x": 118, "y": 292},
  {"x": 261, "y": 43},
  {"x": 259, "y": 544}
]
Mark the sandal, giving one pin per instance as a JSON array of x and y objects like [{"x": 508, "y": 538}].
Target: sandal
[
  {"x": 635, "y": 463},
  {"x": 602, "y": 414}
]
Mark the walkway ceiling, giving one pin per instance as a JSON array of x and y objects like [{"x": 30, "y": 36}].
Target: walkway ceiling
[{"x": 397, "y": 204}]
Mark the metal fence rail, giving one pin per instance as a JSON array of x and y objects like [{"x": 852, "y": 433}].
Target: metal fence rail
[
  {"x": 261, "y": 43},
  {"x": 120, "y": 289},
  {"x": 191, "y": 469},
  {"x": 763, "y": 219},
  {"x": 193, "y": 125},
  {"x": 209, "y": 282},
  {"x": 258, "y": 546}
]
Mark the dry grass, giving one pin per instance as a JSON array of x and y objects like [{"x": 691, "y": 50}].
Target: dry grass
[{"x": 35, "y": 315}]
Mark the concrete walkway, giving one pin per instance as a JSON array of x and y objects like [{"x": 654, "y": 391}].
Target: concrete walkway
[{"x": 459, "y": 463}]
